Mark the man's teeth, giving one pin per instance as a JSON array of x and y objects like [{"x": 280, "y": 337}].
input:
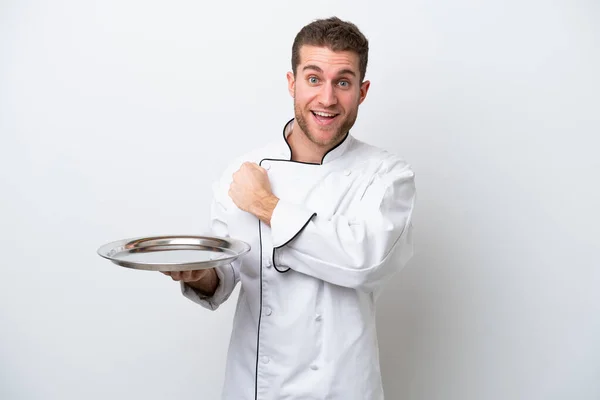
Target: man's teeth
[{"x": 322, "y": 114}]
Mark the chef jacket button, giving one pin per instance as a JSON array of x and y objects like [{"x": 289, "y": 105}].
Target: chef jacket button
[
  {"x": 268, "y": 264},
  {"x": 266, "y": 166},
  {"x": 314, "y": 367},
  {"x": 268, "y": 311},
  {"x": 347, "y": 172},
  {"x": 264, "y": 359},
  {"x": 318, "y": 317}
]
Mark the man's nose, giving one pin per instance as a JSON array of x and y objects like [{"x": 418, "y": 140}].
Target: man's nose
[{"x": 327, "y": 96}]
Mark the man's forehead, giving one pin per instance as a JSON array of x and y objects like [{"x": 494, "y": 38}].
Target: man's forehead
[{"x": 325, "y": 58}]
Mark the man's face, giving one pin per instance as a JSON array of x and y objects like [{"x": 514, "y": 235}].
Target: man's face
[{"x": 327, "y": 92}]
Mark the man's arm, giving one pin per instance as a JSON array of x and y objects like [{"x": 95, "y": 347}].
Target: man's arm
[
  {"x": 210, "y": 288},
  {"x": 359, "y": 251}
]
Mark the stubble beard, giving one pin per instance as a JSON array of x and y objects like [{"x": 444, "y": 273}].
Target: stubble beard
[{"x": 337, "y": 137}]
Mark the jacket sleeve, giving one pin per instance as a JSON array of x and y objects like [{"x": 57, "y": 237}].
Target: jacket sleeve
[
  {"x": 228, "y": 274},
  {"x": 359, "y": 250}
]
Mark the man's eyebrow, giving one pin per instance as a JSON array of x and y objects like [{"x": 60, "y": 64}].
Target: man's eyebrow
[
  {"x": 347, "y": 71},
  {"x": 313, "y": 67},
  {"x": 318, "y": 69}
]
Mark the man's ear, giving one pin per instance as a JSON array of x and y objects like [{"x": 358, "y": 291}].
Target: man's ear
[
  {"x": 364, "y": 88},
  {"x": 291, "y": 83}
]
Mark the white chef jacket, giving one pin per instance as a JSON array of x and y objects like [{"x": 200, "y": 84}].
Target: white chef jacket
[{"x": 304, "y": 326}]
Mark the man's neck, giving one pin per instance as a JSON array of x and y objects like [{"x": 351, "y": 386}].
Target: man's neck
[{"x": 304, "y": 150}]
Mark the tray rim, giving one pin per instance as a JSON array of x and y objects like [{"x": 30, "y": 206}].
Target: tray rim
[{"x": 105, "y": 250}]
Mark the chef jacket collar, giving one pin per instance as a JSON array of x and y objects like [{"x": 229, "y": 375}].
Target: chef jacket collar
[{"x": 331, "y": 155}]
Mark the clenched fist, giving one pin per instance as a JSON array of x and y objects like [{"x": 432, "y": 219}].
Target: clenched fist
[{"x": 251, "y": 191}]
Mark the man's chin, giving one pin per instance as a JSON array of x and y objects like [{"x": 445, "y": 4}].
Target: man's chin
[{"x": 325, "y": 139}]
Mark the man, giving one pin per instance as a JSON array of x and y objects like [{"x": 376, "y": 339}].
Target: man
[{"x": 329, "y": 221}]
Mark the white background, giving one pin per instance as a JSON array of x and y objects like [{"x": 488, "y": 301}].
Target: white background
[{"x": 115, "y": 117}]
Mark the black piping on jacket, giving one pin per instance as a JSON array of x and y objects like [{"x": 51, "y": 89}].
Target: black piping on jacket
[{"x": 282, "y": 271}]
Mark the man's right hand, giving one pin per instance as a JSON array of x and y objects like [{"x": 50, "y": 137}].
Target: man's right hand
[{"x": 205, "y": 281}]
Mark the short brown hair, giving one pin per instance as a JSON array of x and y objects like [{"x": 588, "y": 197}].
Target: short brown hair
[{"x": 335, "y": 34}]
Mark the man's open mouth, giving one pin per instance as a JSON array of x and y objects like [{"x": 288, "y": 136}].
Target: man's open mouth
[{"x": 324, "y": 118}]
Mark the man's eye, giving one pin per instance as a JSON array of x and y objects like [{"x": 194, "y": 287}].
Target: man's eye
[
  {"x": 344, "y": 83},
  {"x": 313, "y": 80}
]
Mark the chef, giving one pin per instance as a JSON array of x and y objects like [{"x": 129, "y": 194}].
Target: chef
[{"x": 328, "y": 218}]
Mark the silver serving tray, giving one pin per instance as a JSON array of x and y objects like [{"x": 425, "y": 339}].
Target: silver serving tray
[{"x": 174, "y": 253}]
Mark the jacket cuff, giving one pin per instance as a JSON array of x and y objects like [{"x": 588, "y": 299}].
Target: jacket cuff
[
  {"x": 287, "y": 221},
  {"x": 224, "y": 289}
]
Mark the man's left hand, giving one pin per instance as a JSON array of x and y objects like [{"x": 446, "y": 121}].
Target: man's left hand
[{"x": 251, "y": 191}]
